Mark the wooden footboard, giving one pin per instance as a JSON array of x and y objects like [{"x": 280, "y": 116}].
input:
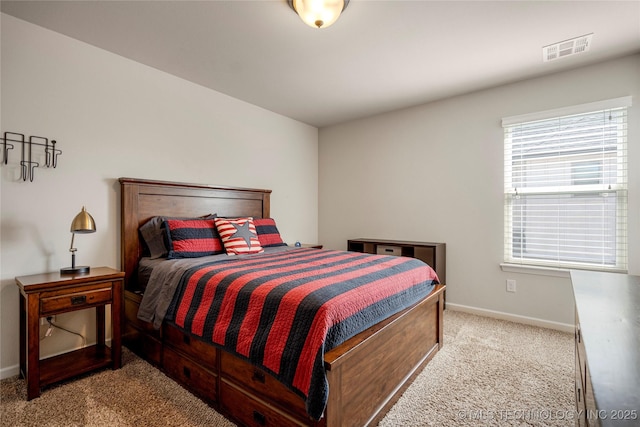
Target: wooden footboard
[{"x": 368, "y": 373}]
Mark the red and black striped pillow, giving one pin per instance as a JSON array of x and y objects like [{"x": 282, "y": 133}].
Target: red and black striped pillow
[
  {"x": 192, "y": 238},
  {"x": 268, "y": 233}
]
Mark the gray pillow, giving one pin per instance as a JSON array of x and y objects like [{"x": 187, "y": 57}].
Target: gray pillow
[{"x": 151, "y": 233}]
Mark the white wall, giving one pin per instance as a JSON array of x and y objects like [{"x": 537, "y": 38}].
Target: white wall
[
  {"x": 435, "y": 173},
  {"x": 113, "y": 117},
  {"x": 432, "y": 172}
]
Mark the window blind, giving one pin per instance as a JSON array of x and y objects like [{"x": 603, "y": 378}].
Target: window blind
[{"x": 566, "y": 190}]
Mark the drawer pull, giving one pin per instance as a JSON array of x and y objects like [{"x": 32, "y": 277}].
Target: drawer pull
[
  {"x": 186, "y": 339},
  {"x": 259, "y": 418},
  {"x": 389, "y": 250},
  {"x": 258, "y": 376},
  {"x": 78, "y": 300},
  {"x": 186, "y": 372}
]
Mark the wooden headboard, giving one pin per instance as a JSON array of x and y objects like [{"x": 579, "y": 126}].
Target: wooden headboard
[{"x": 143, "y": 199}]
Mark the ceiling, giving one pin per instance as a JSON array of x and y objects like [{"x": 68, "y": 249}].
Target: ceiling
[{"x": 379, "y": 56}]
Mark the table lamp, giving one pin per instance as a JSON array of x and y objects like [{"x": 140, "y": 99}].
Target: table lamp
[{"x": 83, "y": 223}]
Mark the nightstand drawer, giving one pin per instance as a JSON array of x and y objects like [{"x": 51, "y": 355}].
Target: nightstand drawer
[
  {"x": 74, "y": 301},
  {"x": 389, "y": 250}
]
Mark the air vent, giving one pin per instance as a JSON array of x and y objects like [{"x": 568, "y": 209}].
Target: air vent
[{"x": 566, "y": 48}]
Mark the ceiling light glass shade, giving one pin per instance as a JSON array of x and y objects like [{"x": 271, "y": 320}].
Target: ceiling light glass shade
[{"x": 319, "y": 13}]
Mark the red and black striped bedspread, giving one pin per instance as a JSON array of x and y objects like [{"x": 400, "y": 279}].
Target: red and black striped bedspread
[{"x": 282, "y": 311}]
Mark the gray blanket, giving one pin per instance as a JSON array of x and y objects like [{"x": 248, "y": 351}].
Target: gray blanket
[{"x": 164, "y": 280}]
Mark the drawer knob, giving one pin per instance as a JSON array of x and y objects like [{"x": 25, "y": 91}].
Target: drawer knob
[
  {"x": 186, "y": 339},
  {"x": 259, "y": 418},
  {"x": 186, "y": 372},
  {"x": 258, "y": 376}
]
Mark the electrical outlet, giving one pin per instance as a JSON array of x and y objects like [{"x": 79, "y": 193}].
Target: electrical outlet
[
  {"x": 43, "y": 320},
  {"x": 511, "y": 285}
]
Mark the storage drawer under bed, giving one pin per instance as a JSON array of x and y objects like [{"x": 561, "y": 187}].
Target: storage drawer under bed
[
  {"x": 199, "y": 380},
  {"x": 260, "y": 382},
  {"x": 251, "y": 411},
  {"x": 205, "y": 354}
]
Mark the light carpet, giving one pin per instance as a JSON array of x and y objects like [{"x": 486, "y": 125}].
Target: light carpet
[{"x": 489, "y": 372}]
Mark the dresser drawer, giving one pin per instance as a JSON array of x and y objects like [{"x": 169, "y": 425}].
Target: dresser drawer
[
  {"x": 186, "y": 372},
  {"x": 74, "y": 301},
  {"x": 250, "y": 411},
  {"x": 205, "y": 354},
  {"x": 389, "y": 250},
  {"x": 262, "y": 383},
  {"x": 581, "y": 419}
]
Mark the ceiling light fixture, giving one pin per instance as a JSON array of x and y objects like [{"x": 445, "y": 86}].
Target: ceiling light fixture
[{"x": 318, "y": 13}]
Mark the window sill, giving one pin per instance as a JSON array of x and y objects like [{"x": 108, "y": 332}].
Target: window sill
[
  {"x": 546, "y": 271},
  {"x": 535, "y": 269}
]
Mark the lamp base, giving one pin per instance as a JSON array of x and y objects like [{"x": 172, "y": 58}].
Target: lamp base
[{"x": 81, "y": 269}]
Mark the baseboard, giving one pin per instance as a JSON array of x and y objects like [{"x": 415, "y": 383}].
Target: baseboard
[
  {"x": 564, "y": 327},
  {"x": 9, "y": 372}
]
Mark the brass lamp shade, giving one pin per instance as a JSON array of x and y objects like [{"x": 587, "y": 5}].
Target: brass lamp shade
[
  {"x": 318, "y": 13},
  {"x": 83, "y": 223}
]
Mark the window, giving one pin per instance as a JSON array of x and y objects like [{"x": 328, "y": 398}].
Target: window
[{"x": 566, "y": 187}]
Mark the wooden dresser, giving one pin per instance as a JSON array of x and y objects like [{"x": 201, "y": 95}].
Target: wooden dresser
[{"x": 607, "y": 348}]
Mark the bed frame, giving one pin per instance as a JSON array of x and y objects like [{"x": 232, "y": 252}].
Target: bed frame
[{"x": 366, "y": 374}]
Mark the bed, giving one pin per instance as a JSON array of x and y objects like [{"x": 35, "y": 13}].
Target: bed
[{"x": 365, "y": 374}]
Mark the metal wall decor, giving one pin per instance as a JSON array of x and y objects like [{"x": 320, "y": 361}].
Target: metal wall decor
[{"x": 27, "y": 164}]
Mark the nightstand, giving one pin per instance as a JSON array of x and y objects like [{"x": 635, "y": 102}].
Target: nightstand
[
  {"x": 47, "y": 294},
  {"x": 308, "y": 245}
]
